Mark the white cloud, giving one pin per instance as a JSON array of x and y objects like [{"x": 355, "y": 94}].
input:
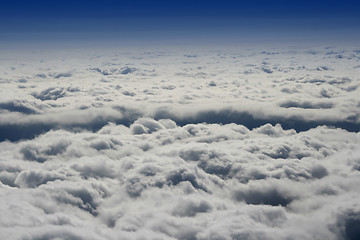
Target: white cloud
[{"x": 144, "y": 146}]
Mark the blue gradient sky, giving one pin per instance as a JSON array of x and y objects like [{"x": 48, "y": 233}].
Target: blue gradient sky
[{"x": 178, "y": 21}]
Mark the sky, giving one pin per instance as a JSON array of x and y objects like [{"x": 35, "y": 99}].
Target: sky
[
  {"x": 179, "y": 120},
  {"x": 178, "y": 21}
]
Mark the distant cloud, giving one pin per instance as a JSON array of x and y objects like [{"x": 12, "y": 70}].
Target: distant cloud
[{"x": 50, "y": 94}]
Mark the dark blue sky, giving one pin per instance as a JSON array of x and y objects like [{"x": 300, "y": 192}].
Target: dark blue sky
[{"x": 110, "y": 19}]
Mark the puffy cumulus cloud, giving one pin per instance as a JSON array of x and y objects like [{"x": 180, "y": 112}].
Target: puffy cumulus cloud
[
  {"x": 198, "y": 181},
  {"x": 145, "y": 125},
  {"x": 33, "y": 178},
  {"x": 227, "y": 144},
  {"x": 23, "y": 106},
  {"x": 114, "y": 71},
  {"x": 39, "y": 153}
]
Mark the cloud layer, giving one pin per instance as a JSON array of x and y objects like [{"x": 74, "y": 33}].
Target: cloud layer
[
  {"x": 199, "y": 181},
  {"x": 181, "y": 144}
]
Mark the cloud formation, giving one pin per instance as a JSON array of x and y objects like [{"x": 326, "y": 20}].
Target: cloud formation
[
  {"x": 182, "y": 182},
  {"x": 245, "y": 144}
]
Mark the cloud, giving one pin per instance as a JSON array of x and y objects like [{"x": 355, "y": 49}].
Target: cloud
[
  {"x": 94, "y": 168},
  {"x": 60, "y": 75},
  {"x": 22, "y": 106},
  {"x": 146, "y": 125},
  {"x": 114, "y": 71},
  {"x": 269, "y": 193},
  {"x": 50, "y": 94},
  {"x": 254, "y": 120},
  {"x": 53, "y": 93},
  {"x": 193, "y": 184},
  {"x": 348, "y": 225},
  {"x": 34, "y": 178},
  {"x": 267, "y": 69},
  {"x": 40, "y": 153},
  {"x": 306, "y": 105},
  {"x": 189, "y": 208},
  {"x": 167, "y": 145}
]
